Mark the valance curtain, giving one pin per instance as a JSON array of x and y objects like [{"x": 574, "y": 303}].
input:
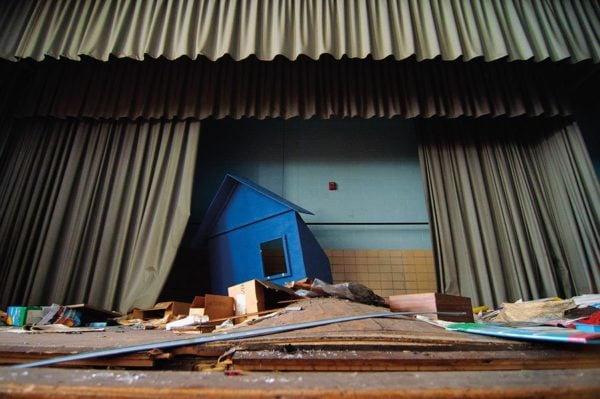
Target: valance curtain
[
  {"x": 92, "y": 211},
  {"x": 425, "y": 29},
  {"x": 303, "y": 88},
  {"x": 514, "y": 209}
]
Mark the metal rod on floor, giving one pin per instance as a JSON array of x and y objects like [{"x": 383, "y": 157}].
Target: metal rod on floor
[{"x": 217, "y": 337}]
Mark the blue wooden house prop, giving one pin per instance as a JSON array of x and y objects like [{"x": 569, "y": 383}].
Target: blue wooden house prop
[{"x": 253, "y": 233}]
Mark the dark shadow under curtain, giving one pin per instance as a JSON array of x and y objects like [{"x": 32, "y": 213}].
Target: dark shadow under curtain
[
  {"x": 514, "y": 208},
  {"x": 92, "y": 211}
]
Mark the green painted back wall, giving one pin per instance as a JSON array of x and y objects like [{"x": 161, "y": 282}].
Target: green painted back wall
[{"x": 373, "y": 161}]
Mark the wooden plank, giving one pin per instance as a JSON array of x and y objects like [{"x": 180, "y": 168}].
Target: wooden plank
[
  {"x": 75, "y": 343},
  {"x": 352, "y": 360},
  {"x": 137, "y": 360},
  {"x": 60, "y": 383}
]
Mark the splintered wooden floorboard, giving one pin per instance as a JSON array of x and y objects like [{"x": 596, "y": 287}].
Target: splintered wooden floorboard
[
  {"x": 352, "y": 360},
  {"x": 79, "y": 342},
  {"x": 59, "y": 383},
  {"x": 21, "y": 348}
]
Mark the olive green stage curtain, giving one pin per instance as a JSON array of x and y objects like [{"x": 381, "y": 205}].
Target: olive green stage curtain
[
  {"x": 514, "y": 208},
  {"x": 425, "y": 29},
  {"x": 92, "y": 211}
]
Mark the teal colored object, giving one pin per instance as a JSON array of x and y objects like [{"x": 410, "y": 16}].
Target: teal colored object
[
  {"x": 552, "y": 334},
  {"x": 590, "y": 328},
  {"x": 252, "y": 233},
  {"x": 17, "y": 316}
]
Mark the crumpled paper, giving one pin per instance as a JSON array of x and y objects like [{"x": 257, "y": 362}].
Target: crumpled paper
[{"x": 534, "y": 311}]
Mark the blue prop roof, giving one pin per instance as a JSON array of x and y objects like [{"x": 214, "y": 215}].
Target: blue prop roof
[{"x": 224, "y": 193}]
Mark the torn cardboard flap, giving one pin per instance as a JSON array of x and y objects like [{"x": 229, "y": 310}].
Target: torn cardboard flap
[
  {"x": 197, "y": 306},
  {"x": 258, "y": 295},
  {"x": 162, "y": 310},
  {"x": 213, "y": 306}
]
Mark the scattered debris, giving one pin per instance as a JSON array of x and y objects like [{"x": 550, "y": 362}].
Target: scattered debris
[
  {"x": 140, "y": 324},
  {"x": 90, "y": 314},
  {"x": 58, "y": 314},
  {"x": 257, "y": 295},
  {"x": 207, "y": 338},
  {"x": 253, "y": 301},
  {"x": 191, "y": 320},
  {"x": 355, "y": 292},
  {"x": 540, "y": 311},
  {"x": 58, "y": 319},
  {"x": 537, "y": 333},
  {"x": 213, "y": 306},
  {"x": 548, "y": 319},
  {"x": 20, "y": 316},
  {"x": 162, "y": 310},
  {"x": 233, "y": 373}
]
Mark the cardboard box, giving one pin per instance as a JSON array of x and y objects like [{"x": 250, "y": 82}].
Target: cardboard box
[
  {"x": 434, "y": 302},
  {"x": 213, "y": 306},
  {"x": 161, "y": 310},
  {"x": 257, "y": 295}
]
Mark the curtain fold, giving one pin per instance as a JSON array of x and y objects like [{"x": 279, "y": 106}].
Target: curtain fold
[
  {"x": 15, "y": 16},
  {"x": 426, "y": 29},
  {"x": 92, "y": 211},
  {"x": 303, "y": 88},
  {"x": 515, "y": 209},
  {"x": 12, "y": 76}
]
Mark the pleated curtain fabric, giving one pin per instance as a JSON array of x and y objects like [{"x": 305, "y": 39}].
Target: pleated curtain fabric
[
  {"x": 326, "y": 88},
  {"x": 424, "y": 29},
  {"x": 92, "y": 211},
  {"x": 514, "y": 209}
]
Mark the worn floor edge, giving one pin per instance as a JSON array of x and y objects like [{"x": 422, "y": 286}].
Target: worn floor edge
[{"x": 54, "y": 383}]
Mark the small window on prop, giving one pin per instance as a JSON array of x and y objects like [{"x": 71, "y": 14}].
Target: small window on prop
[{"x": 273, "y": 258}]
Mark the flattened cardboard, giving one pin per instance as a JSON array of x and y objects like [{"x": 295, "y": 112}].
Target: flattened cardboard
[
  {"x": 162, "y": 309},
  {"x": 433, "y": 302}
]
